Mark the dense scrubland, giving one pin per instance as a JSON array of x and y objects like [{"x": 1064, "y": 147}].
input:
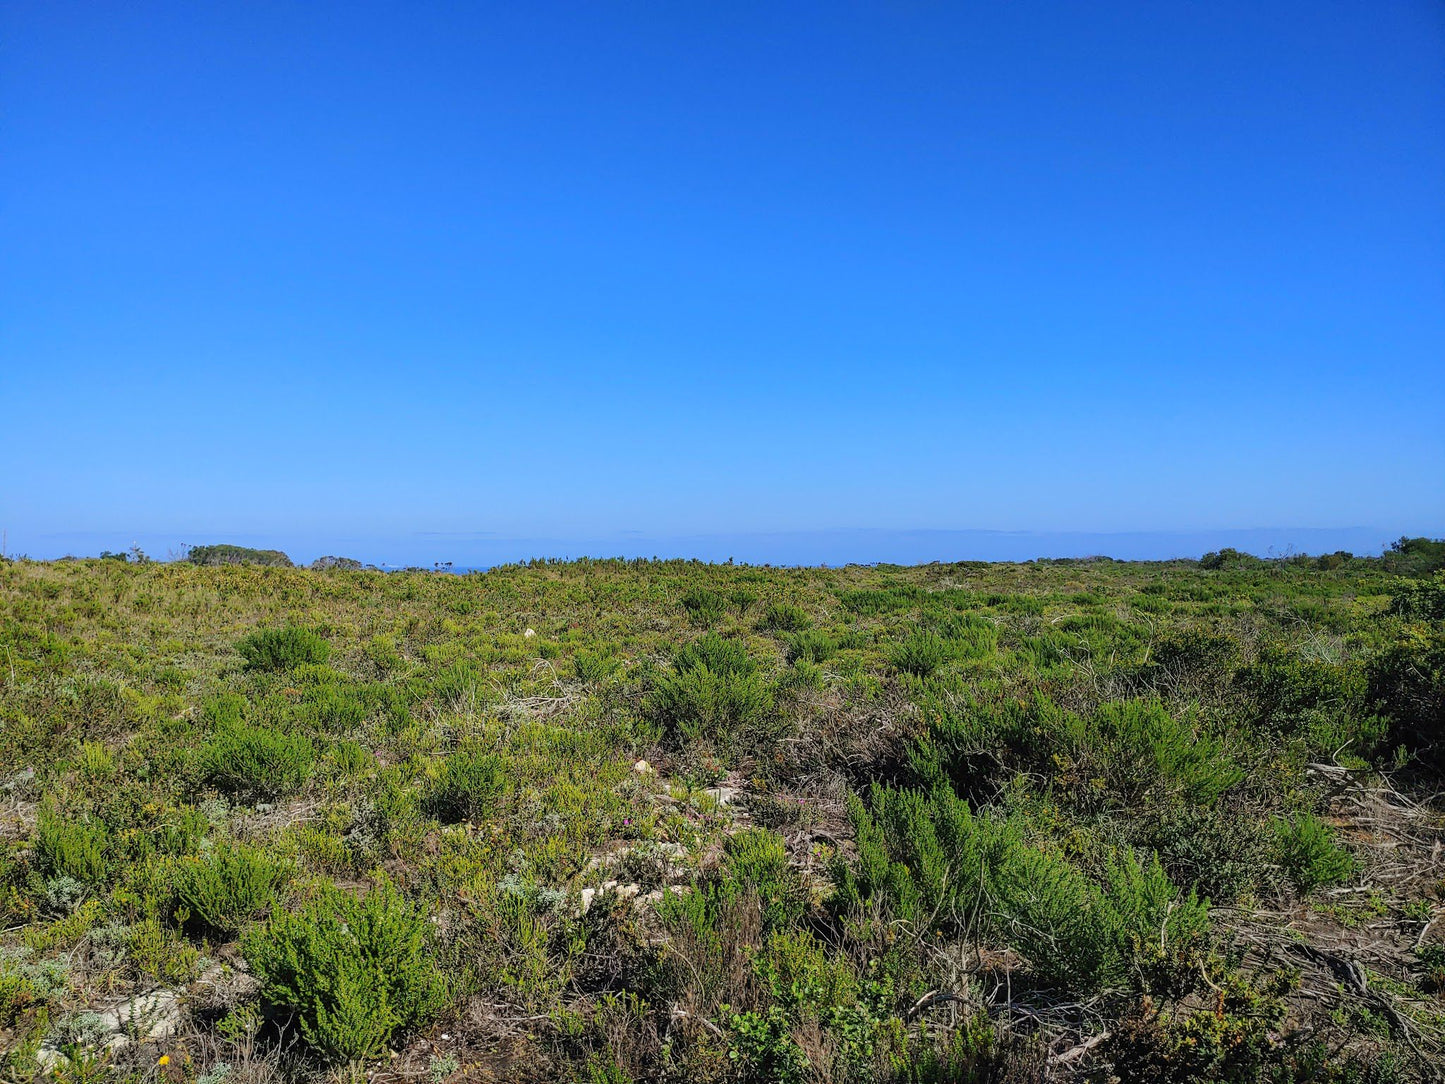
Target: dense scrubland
[{"x": 614, "y": 821}]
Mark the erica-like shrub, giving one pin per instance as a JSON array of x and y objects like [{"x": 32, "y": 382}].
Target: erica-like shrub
[
  {"x": 223, "y": 889},
  {"x": 713, "y": 691},
  {"x": 256, "y": 761},
  {"x": 282, "y": 649},
  {"x": 354, "y": 972}
]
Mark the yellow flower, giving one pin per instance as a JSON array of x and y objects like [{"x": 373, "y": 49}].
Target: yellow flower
[{"x": 165, "y": 1060}]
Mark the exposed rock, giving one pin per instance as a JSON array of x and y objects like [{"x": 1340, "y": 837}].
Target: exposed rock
[
  {"x": 223, "y": 987},
  {"x": 144, "y": 1018},
  {"x": 529, "y": 634}
]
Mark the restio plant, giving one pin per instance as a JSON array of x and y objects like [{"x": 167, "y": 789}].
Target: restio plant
[{"x": 354, "y": 972}]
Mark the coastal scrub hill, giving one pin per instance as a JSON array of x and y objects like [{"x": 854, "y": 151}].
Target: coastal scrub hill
[{"x": 615, "y": 821}]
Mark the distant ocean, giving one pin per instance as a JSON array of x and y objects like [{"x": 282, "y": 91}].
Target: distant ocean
[
  {"x": 478, "y": 551},
  {"x": 795, "y": 548}
]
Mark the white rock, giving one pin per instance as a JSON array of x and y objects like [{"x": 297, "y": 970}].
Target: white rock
[
  {"x": 642, "y": 768},
  {"x": 529, "y": 634},
  {"x": 143, "y": 1018},
  {"x": 723, "y": 796}
]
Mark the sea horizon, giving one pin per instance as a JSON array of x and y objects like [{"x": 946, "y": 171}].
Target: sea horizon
[{"x": 478, "y": 551}]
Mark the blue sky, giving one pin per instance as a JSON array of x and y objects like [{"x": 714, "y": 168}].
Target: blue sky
[{"x": 403, "y": 277}]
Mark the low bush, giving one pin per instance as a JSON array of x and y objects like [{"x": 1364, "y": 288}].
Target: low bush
[
  {"x": 1285, "y": 690},
  {"x": 920, "y": 653},
  {"x": 354, "y": 972},
  {"x": 1406, "y": 684},
  {"x": 226, "y": 554},
  {"x": 77, "y": 849},
  {"x": 1223, "y": 855},
  {"x": 755, "y": 859},
  {"x": 1194, "y": 660},
  {"x": 870, "y": 601},
  {"x": 282, "y": 649},
  {"x": 704, "y": 608},
  {"x": 467, "y": 786},
  {"x": 785, "y": 617},
  {"x": 257, "y": 762},
  {"x": 1415, "y": 556},
  {"x": 815, "y": 647},
  {"x": 1309, "y": 855},
  {"x": 713, "y": 692},
  {"x": 1130, "y": 752},
  {"x": 926, "y": 860},
  {"x": 1420, "y": 600},
  {"x": 223, "y": 889}
]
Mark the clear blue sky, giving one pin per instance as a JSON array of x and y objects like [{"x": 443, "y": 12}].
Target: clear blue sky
[{"x": 371, "y": 274}]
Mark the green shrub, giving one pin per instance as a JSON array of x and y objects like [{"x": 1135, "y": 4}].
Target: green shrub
[
  {"x": 1222, "y": 855},
  {"x": 815, "y": 647},
  {"x": 283, "y": 648},
  {"x": 742, "y": 598},
  {"x": 968, "y": 1054},
  {"x": 78, "y": 849},
  {"x": 926, "y": 860},
  {"x": 785, "y": 617},
  {"x": 594, "y": 667},
  {"x": 224, "y": 888},
  {"x": 755, "y": 859},
  {"x": 467, "y": 787},
  {"x": 1415, "y": 556},
  {"x": 704, "y": 608},
  {"x": 1309, "y": 855},
  {"x": 256, "y": 761},
  {"x": 921, "y": 653},
  {"x": 965, "y": 745},
  {"x": 1406, "y": 683},
  {"x": 1140, "y": 752},
  {"x": 330, "y": 709},
  {"x": 26, "y": 986},
  {"x": 869, "y": 601},
  {"x": 353, "y": 971},
  {"x": 922, "y": 857},
  {"x": 713, "y": 692},
  {"x": 1285, "y": 690},
  {"x": 1228, "y": 558},
  {"x": 1193, "y": 659}
]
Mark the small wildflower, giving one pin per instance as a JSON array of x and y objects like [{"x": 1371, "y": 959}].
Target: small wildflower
[{"x": 165, "y": 1059}]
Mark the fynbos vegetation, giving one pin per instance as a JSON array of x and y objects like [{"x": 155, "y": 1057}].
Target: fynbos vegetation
[{"x": 614, "y": 821}]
